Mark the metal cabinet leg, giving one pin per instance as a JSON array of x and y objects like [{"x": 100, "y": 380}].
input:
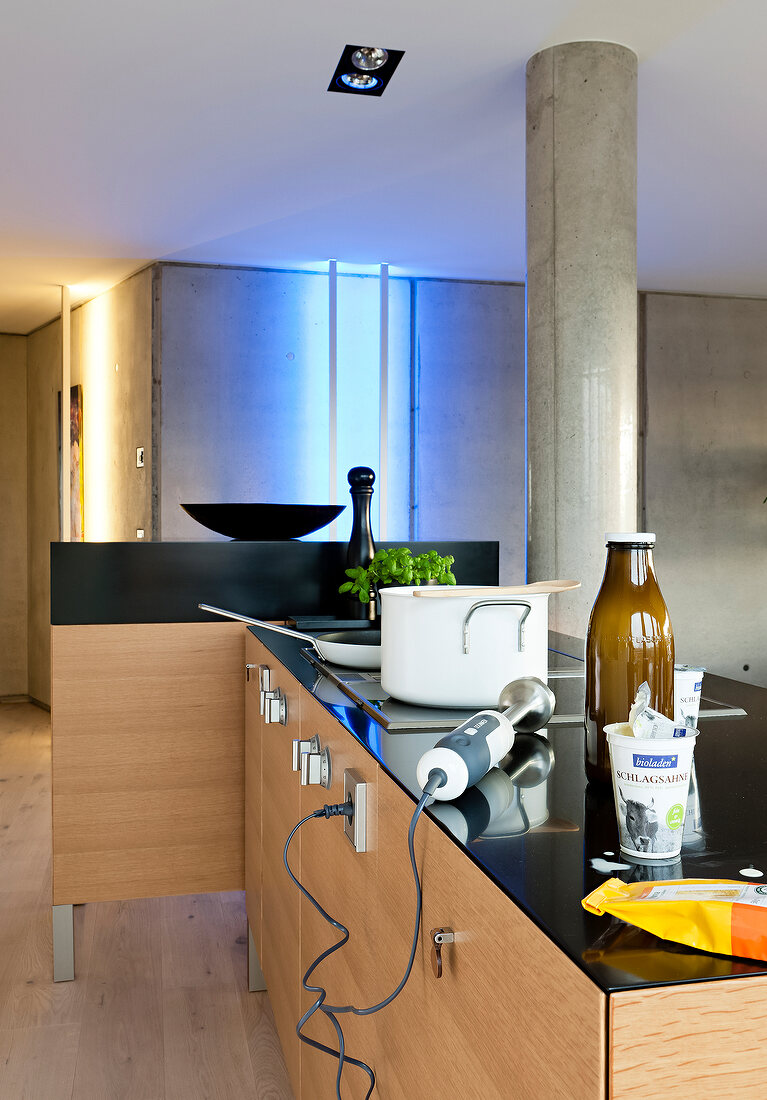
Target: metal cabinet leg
[
  {"x": 256, "y": 980},
  {"x": 63, "y": 943}
]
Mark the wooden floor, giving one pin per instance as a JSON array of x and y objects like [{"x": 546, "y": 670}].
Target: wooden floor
[{"x": 159, "y": 1009}]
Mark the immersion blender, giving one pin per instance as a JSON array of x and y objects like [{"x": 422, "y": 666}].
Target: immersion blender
[{"x": 470, "y": 751}]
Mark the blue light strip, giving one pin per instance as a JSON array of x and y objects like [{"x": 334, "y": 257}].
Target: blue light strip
[
  {"x": 383, "y": 417},
  {"x": 333, "y": 392},
  {"x": 359, "y": 399},
  {"x": 415, "y": 408},
  {"x": 527, "y": 463}
]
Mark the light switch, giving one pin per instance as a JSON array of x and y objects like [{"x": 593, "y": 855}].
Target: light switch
[{"x": 139, "y": 457}]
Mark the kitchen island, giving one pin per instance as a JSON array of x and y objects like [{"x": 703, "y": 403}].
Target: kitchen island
[
  {"x": 162, "y": 763},
  {"x": 148, "y": 697},
  {"x": 537, "y": 998}
]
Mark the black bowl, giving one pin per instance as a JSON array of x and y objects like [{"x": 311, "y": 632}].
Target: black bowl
[{"x": 264, "y": 522}]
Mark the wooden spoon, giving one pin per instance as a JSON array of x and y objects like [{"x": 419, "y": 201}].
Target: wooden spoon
[{"x": 499, "y": 590}]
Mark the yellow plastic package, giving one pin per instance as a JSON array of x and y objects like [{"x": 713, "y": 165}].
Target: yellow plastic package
[{"x": 726, "y": 917}]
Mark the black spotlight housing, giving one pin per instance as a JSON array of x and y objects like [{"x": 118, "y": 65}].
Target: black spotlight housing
[{"x": 362, "y": 80}]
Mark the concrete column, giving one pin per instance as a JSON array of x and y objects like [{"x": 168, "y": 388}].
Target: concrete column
[{"x": 581, "y": 314}]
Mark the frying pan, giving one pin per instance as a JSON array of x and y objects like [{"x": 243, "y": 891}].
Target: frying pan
[{"x": 350, "y": 648}]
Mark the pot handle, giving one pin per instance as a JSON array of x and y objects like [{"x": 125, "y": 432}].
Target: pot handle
[
  {"x": 497, "y": 603},
  {"x": 260, "y": 622}
]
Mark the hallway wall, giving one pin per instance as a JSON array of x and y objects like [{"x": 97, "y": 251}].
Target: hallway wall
[
  {"x": 13, "y": 515},
  {"x": 112, "y": 329}
]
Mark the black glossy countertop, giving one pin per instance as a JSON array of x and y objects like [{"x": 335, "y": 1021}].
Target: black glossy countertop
[{"x": 541, "y": 851}]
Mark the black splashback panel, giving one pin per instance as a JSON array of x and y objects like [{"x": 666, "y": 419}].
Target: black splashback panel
[{"x": 162, "y": 582}]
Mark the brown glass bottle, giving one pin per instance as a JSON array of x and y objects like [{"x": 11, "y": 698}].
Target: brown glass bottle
[{"x": 629, "y": 640}]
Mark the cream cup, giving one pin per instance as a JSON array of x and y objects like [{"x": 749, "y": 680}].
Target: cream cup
[
  {"x": 688, "y": 682},
  {"x": 651, "y": 780}
]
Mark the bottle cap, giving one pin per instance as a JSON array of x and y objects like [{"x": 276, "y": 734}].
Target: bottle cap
[{"x": 641, "y": 538}]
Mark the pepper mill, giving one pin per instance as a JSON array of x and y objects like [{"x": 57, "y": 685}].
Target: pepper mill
[{"x": 361, "y": 546}]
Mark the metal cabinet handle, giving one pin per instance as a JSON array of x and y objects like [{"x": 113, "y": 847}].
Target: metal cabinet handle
[
  {"x": 439, "y": 936},
  {"x": 497, "y": 603},
  {"x": 302, "y": 747},
  {"x": 275, "y": 707},
  {"x": 315, "y": 768},
  {"x": 264, "y": 682}
]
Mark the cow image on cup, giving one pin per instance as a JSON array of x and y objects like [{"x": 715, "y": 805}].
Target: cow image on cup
[{"x": 641, "y": 822}]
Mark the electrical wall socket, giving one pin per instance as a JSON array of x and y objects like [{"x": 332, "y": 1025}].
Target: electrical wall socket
[
  {"x": 139, "y": 532},
  {"x": 139, "y": 457},
  {"x": 356, "y": 789}
]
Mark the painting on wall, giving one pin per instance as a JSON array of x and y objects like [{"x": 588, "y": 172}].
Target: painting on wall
[{"x": 76, "y": 497}]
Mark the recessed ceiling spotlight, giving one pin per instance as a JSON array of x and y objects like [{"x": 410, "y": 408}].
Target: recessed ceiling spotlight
[
  {"x": 369, "y": 57},
  {"x": 366, "y": 60},
  {"x": 360, "y": 80}
]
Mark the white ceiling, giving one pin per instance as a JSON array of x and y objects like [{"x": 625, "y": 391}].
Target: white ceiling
[{"x": 202, "y": 131}]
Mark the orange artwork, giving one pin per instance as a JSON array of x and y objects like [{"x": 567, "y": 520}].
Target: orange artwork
[{"x": 76, "y": 499}]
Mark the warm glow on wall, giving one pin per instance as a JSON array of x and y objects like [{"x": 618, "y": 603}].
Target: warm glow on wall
[
  {"x": 98, "y": 378},
  {"x": 84, "y": 292}
]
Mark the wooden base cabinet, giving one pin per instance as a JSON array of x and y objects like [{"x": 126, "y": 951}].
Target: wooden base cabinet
[
  {"x": 147, "y": 760},
  {"x": 255, "y": 656},
  {"x": 510, "y": 1014},
  {"x": 279, "y": 937},
  {"x": 152, "y": 781},
  {"x": 345, "y": 883}
]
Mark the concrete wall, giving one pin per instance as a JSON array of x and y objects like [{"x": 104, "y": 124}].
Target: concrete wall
[
  {"x": 705, "y": 475},
  {"x": 241, "y": 356},
  {"x": 112, "y": 359},
  {"x": 13, "y": 515},
  {"x": 241, "y": 361},
  {"x": 114, "y": 328},
  {"x": 471, "y": 416}
]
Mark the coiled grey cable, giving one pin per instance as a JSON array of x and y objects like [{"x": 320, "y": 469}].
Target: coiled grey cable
[{"x": 436, "y": 779}]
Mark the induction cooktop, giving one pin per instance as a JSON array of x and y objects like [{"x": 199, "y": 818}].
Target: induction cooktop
[{"x": 566, "y": 678}]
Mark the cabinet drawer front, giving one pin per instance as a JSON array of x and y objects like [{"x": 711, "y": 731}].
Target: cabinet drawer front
[
  {"x": 345, "y": 882},
  {"x": 148, "y": 760},
  {"x": 704, "y": 1040},
  {"x": 280, "y": 810},
  {"x": 255, "y": 654},
  {"x": 528, "y": 1023}
]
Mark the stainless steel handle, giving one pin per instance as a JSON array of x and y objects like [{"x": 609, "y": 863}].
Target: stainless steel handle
[
  {"x": 300, "y": 748},
  {"x": 315, "y": 768},
  {"x": 497, "y": 603},
  {"x": 275, "y": 707},
  {"x": 264, "y": 683},
  {"x": 266, "y": 699}
]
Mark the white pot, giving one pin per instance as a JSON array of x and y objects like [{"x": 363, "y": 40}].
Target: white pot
[{"x": 460, "y": 650}]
